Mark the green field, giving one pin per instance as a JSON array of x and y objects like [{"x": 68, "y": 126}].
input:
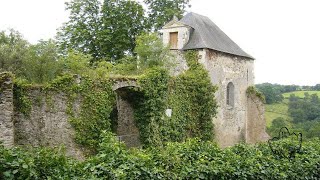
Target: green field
[
  {"x": 281, "y": 109},
  {"x": 276, "y": 110},
  {"x": 300, "y": 93}
]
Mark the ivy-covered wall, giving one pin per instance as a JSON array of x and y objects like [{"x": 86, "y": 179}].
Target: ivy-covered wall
[
  {"x": 73, "y": 111},
  {"x": 190, "y": 98}
]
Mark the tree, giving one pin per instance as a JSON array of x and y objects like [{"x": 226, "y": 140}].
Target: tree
[
  {"x": 105, "y": 31},
  {"x": 13, "y": 49},
  {"x": 272, "y": 92},
  {"x": 41, "y": 63},
  {"x": 162, "y": 11},
  {"x": 151, "y": 51},
  {"x": 316, "y": 87}
]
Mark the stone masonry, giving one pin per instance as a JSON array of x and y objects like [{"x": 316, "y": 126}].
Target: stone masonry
[{"x": 6, "y": 110}]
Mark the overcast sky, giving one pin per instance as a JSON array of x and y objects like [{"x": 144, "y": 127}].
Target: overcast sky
[{"x": 282, "y": 35}]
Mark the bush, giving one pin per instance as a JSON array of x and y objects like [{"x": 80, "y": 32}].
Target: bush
[{"x": 192, "y": 159}]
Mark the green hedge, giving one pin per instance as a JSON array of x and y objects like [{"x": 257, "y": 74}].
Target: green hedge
[{"x": 192, "y": 159}]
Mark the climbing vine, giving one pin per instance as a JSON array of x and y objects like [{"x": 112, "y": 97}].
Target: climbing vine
[
  {"x": 192, "y": 100},
  {"x": 254, "y": 91},
  {"x": 91, "y": 104},
  {"x": 190, "y": 96},
  {"x": 150, "y": 105},
  {"x": 97, "y": 101},
  {"x": 21, "y": 101}
]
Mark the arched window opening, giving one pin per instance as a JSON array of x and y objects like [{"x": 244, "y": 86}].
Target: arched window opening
[{"x": 230, "y": 94}]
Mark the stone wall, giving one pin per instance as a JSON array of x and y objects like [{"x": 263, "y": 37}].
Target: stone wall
[
  {"x": 6, "y": 110},
  {"x": 230, "y": 123},
  {"x": 256, "y": 123},
  {"x": 47, "y": 124}
]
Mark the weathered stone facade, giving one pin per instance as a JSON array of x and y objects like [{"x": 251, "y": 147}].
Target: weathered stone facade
[
  {"x": 6, "y": 110},
  {"x": 239, "y": 118},
  {"x": 47, "y": 123}
]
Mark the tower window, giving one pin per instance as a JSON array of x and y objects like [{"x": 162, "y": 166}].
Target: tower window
[
  {"x": 173, "y": 42},
  {"x": 230, "y": 94}
]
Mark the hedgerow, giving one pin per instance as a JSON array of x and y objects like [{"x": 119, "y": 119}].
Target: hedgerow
[{"x": 192, "y": 159}]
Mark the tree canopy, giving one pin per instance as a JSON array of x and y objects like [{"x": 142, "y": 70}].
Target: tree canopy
[
  {"x": 162, "y": 11},
  {"x": 108, "y": 30}
]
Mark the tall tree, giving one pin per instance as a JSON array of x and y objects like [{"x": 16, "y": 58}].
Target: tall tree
[
  {"x": 13, "y": 49},
  {"x": 81, "y": 32},
  {"x": 41, "y": 63},
  {"x": 123, "y": 22},
  {"x": 105, "y": 30},
  {"x": 162, "y": 11}
]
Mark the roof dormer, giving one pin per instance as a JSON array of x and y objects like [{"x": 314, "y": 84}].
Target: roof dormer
[{"x": 175, "y": 34}]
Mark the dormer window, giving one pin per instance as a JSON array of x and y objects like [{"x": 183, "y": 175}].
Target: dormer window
[{"x": 173, "y": 41}]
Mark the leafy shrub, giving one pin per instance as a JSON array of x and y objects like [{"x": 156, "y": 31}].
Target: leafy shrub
[{"x": 192, "y": 159}]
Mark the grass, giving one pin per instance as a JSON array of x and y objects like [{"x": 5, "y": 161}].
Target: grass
[
  {"x": 281, "y": 109},
  {"x": 300, "y": 93},
  {"x": 276, "y": 110}
]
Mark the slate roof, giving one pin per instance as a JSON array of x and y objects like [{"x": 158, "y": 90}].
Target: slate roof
[{"x": 208, "y": 35}]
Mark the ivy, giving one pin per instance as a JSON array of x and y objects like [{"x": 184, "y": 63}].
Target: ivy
[
  {"x": 21, "y": 101},
  {"x": 150, "y": 105},
  {"x": 189, "y": 95},
  {"x": 254, "y": 91},
  {"x": 192, "y": 101},
  {"x": 97, "y": 102}
]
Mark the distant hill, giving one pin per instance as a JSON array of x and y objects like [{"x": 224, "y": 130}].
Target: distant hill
[
  {"x": 281, "y": 109},
  {"x": 300, "y": 93}
]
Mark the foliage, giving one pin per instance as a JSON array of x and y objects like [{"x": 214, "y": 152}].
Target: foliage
[
  {"x": 151, "y": 51},
  {"x": 108, "y": 31},
  {"x": 123, "y": 22},
  {"x": 306, "y": 109},
  {"x": 276, "y": 125},
  {"x": 13, "y": 49},
  {"x": 150, "y": 105},
  {"x": 41, "y": 63},
  {"x": 21, "y": 101},
  {"x": 271, "y": 92},
  {"x": 254, "y": 91},
  {"x": 38, "y": 163},
  {"x": 192, "y": 159},
  {"x": 76, "y": 63},
  {"x": 37, "y": 63},
  {"x": 300, "y": 94},
  {"x": 105, "y": 31},
  {"x": 162, "y": 11},
  {"x": 189, "y": 95},
  {"x": 299, "y": 112},
  {"x": 273, "y": 111},
  {"x": 193, "y": 102},
  {"x": 97, "y": 102}
]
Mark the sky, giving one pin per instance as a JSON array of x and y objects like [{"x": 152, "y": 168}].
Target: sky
[{"x": 282, "y": 35}]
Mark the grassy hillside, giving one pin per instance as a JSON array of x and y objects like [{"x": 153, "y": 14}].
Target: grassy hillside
[
  {"x": 300, "y": 93},
  {"x": 276, "y": 110},
  {"x": 281, "y": 109}
]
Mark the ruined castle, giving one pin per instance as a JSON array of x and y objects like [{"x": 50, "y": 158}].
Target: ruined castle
[{"x": 240, "y": 115}]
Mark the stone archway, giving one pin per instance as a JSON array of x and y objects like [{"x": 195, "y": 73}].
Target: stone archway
[{"x": 126, "y": 129}]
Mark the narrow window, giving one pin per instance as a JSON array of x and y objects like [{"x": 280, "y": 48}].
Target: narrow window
[
  {"x": 230, "y": 94},
  {"x": 173, "y": 40}
]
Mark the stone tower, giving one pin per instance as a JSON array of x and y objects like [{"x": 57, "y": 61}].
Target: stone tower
[{"x": 240, "y": 117}]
